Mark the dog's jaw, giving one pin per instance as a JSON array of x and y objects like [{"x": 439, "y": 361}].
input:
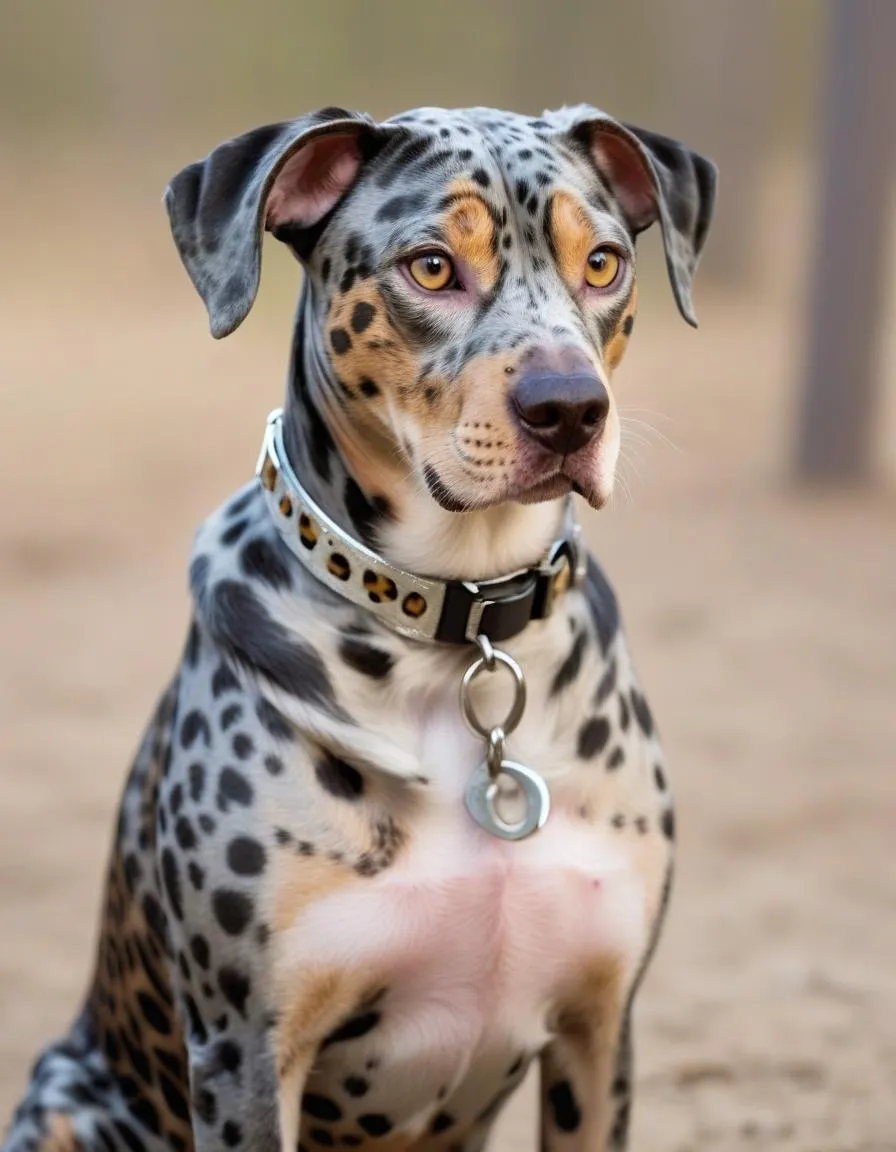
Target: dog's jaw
[{"x": 360, "y": 477}]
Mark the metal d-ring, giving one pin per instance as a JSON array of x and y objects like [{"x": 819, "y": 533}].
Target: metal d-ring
[
  {"x": 482, "y": 789},
  {"x": 482, "y": 792},
  {"x": 479, "y": 665}
]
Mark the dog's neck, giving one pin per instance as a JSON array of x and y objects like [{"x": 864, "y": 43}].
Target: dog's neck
[{"x": 360, "y": 476}]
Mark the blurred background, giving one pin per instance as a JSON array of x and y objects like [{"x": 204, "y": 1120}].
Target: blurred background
[{"x": 752, "y": 540}]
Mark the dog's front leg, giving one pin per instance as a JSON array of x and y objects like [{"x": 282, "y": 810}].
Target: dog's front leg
[{"x": 586, "y": 1074}]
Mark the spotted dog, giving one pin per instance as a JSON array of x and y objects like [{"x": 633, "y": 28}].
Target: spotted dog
[{"x": 306, "y": 941}]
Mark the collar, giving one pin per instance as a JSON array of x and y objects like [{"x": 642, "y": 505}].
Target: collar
[{"x": 419, "y": 607}]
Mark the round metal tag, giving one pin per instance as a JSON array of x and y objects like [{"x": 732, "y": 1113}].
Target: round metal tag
[{"x": 482, "y": 791}]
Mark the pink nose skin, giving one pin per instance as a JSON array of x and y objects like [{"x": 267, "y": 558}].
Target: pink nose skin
[{"x": 560, "y": 400}]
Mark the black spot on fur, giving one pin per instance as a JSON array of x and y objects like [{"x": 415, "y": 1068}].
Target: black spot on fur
[
  {"x": 194, "y": 725},
  {"x": 273, "y": 720},
  {"x": 245, "y": 856},
  {"x": 206, "y": 1105},
  {"x": 322, "y": 1136},
  {"x": 229, "y": 1056},
  {"x": 368, "y": 387},
  {"x": 319, "y": 441},
  {"x": 481, "y": 177},
  {"x": 263, "y": 561},
  {"x": 340, "y": 341},
  {"x": 129, "y": 1136},
  {"x": 364, "y": 512},
  {"x": 156, "y": 920},
  {"x": 259, "y": 642},
  {"x": 375, "y": 1124},
  {"x": 230, "y": 715},
  {"x": 399, "y": 206},
  {"x": 191, "y": 650},
  {"x": 616, "y": 759},
  {"x": 569, "y": 669},
  {"x": 200, "y": 951},
  {"x": 356, "y": 1086},
  {"x": 242, "y": 746},
  {"x": 234, "y": 987},
  {"x": 196, "y": 874},
  {"x": 667, "y": 823},
  {"x": 223, "y": 681},
  {"x": 624, "y": 713},
  {"x": 659, "y": 777},
  {"x": 607, "y": 684},
  {"x": 321, "y": 1107},
  {"x": 273, "y": 764},
  {"x": 184, "y": 834},
  {"x": 232, "y": 1134},
  {"x": 174, "y": 1098},
  {"x": 567, "y": 1115},
  {"x": 339, "y": 778},
  {"x": 234, "y": 786},
  {"x": 233, "y": 910},
  {"x": 234, "y": 532},
  {"x": 366, "y": 658},
  {"x": 154, "y": 1014},
  {"x": 642, "y": 712},
  {"x": 362, "y": 316},
  {"x": 353, "y": 1029},
  {"x": 171, "y": 876},
  {"x": 441, "y": 1122},
  {"x": 628, "y": 324},
  {"x": 602, "y": 604},
  {"x": 593, "y": 737}
]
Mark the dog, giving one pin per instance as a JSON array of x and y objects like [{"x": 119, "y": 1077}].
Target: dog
[{"x": 400, "y": 824}]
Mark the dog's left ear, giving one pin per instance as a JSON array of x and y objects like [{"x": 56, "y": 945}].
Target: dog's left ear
[
  {"x": 286, "y": 178},
  {"x": 655, "y": 178}
]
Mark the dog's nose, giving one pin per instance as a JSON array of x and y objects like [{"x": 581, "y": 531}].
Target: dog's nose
[{"x": 563, "y": 411}]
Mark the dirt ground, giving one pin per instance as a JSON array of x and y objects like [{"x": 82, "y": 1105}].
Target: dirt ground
[{"x": 764, "y": 624}]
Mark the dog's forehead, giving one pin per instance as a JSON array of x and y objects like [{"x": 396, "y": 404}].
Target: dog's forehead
[{"x": 493, "y": 133}]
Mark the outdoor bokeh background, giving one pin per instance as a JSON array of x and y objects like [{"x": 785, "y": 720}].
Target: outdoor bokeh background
[{"x": 762, "y": 610}]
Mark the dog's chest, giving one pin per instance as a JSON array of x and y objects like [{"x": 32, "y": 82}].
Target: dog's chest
[{"x": 474, "y": 941}]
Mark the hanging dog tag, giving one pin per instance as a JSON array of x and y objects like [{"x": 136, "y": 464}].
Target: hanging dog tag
[{"x": 482, "y": 797}]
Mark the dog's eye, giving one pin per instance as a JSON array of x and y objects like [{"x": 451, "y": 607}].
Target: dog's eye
[
  {"x": 432, "y": 271},
  {"x": 602, "y": 267}
]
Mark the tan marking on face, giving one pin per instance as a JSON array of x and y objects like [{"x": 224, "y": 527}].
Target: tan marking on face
[
  {"x": 573, "y": 237},
  {"x": 373, "y": 362},
  {"x": 470, "y": 233},
  {"x": 618, "y": 342}
]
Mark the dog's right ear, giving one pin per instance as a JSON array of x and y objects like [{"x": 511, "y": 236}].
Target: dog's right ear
[{"x": 285, "y": 178}]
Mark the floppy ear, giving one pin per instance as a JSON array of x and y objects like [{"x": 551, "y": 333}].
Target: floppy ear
[
  {"x": 285, "y": 178},
  {"x": 655, "y": 178}
]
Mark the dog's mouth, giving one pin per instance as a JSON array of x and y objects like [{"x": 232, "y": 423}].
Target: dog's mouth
[{"x": 555, "y": 484}]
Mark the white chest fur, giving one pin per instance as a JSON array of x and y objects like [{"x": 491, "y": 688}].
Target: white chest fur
[{"x": 477, "y": 937}]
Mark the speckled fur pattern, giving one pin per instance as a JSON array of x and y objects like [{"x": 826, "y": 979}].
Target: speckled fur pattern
[{"x": 305, "y": 941}]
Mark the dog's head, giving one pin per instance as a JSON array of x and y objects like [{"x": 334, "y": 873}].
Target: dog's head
[{"x": 470, "y": 278}]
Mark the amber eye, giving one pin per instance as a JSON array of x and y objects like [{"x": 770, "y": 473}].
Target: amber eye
[
  {"x": 432, "y": 271},
  {"x": 602, "y": 267}
]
